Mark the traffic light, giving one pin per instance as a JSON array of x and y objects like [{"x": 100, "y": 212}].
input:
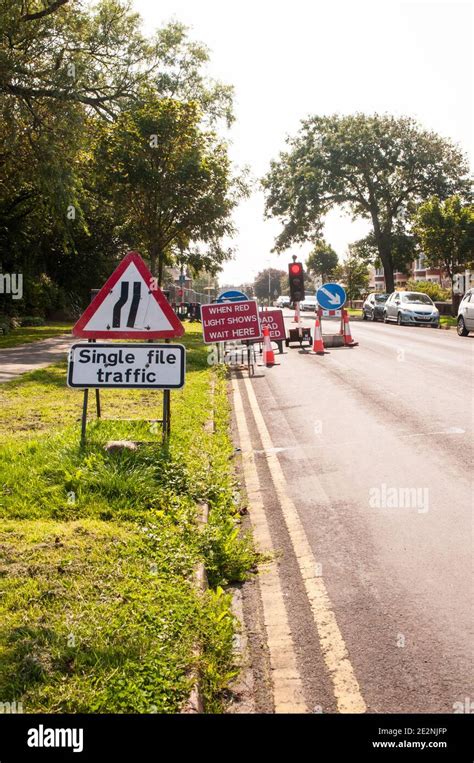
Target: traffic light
[{"x": 295, "y": 271}]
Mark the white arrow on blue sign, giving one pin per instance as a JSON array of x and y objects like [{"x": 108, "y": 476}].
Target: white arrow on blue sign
[
  {"x": 331, "y": 296},
  {"x": 232, "y": 295}
]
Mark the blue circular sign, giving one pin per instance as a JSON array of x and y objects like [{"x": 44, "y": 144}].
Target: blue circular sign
[
  {"x": 232, "y": 296},
  {"x": 331, "y": 296}
]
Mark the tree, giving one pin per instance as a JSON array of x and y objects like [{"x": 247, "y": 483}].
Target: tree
[
  {"x": 322, "y": 261},
  {"x": 267, "y": 282},
  {"x": 354, "y": 274},
  {"x": 404, "y": 249},
  {"x": 285, "y": 285},
  {"x": 170, "y": 182},
  {"x": 64, "y": 54},
  {"x": 433, "y": 290},
  {"x": 378, "y": 167},
  {"x": 445, "y": 231}
]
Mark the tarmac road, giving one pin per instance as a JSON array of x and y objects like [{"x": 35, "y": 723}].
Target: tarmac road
[
  {"x": 15, "y": 361},
  {"x": 366, "y": 454}
]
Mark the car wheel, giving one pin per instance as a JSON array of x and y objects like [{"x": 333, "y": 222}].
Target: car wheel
[
  {"x": 399, "y": 319},
  {"x": 462, "y": 330},
  {"x": 364, "y": 315}
]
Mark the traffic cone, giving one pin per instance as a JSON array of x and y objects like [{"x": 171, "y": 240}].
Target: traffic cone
[
  {"x": 318, "y": 344},
  {"x": 268, "y": 354},
  {"x": 348, "y": 340}
]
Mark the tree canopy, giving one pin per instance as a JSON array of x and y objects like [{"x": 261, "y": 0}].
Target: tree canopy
[
  {"x": 445, "y": 231},
  {"x": 354, "y": 274},
  {"x": 72, "y": 75},
  {"x": 170, "y": 183},
  {"x": 378, "y": 167},
  {"x": 322, "y": 260},
  {"x": 267, "y": 283}
]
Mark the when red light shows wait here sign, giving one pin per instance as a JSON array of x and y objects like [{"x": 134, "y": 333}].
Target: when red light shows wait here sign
[{"x": 230, "y": 321}]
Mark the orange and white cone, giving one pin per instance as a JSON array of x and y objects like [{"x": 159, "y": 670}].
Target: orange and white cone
[
  {"x": 318, "y": 344},
  {"x": 348, "y": 340},
  {"x": 268, "y": 354}
]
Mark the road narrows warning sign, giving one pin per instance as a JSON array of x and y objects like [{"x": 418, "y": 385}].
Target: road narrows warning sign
[{"x": 129, "y": 306}]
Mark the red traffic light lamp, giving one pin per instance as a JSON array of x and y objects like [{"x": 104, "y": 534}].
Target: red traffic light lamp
[
  {"x": 296, "y": 269},
  {"x": 296, "y": 278}
]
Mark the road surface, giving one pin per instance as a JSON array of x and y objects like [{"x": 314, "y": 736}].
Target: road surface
[
  {"x": 30, "y": 357},
  {"x": 359, "y": 471}
]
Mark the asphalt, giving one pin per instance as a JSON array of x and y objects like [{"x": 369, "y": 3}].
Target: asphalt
[
  {"x": 360, "y": 433},
  {"x": 15, "y": 361}
]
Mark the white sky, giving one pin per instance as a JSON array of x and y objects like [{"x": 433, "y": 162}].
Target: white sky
[{"x": 290, "y": 59}]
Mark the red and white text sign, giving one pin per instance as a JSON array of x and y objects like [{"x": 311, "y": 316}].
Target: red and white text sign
[
  {"x": 230, "y": 321},
  {"x": 273, "y": 320}
]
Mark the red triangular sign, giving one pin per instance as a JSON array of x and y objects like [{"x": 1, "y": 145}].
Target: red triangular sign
[{"x": 129, "y": 306}]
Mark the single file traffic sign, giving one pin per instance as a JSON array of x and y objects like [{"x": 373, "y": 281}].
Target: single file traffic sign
[
  {"x": 129, "y": 306},
  {"x": 129, "y": 366},
  {"x": 331, "y": 296}
]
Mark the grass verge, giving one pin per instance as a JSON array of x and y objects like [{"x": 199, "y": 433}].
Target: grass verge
[
  {"x": 28, "y": 334},
  {"x": 99, "y": 611}
]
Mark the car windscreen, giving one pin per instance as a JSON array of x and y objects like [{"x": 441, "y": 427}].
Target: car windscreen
[
  {"x": 417, "y": 299},
  {"x": 381, "y": 297}
]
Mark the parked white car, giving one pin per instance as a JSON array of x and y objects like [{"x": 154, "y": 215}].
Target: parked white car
[
  {"x": 466, "y": 314},
  {"x": 411, "y": 307},
  {"x": 283, "y": 301},
  {"x": 308, "y": 303}
]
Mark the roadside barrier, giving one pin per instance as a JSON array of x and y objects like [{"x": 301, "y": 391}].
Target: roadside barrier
[
  {"x": 268, "y": 354},
  {"x": 318, "y": 344},
  {"x": 346, "y": 330}
]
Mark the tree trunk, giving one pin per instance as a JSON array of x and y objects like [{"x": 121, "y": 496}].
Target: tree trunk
[
  {"x": 385, "y": 254},
  {"x": 156, "y": 262},
  {"x": 383, "y": 237}
]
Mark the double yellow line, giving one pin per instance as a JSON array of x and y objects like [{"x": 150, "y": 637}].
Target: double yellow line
[{"x": 287, "y": 686}]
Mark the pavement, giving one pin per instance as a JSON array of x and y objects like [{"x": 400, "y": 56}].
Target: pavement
[
  {"x": 15, "y": 361},
  {"x": 358, "y": 467}
]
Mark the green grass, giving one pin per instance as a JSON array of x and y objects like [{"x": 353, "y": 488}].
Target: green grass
[
  {"x": 99, "y": 611},
  {"x": 448, "y": 320},
  {"x": 28, "y": 334}
]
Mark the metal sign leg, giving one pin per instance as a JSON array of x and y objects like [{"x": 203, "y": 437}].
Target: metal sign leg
[
  {"x": 166, "y": 414},
  {"x": 84, "y": 417}
]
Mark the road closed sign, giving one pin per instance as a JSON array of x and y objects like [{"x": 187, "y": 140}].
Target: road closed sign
[
  {"x": 149, "y": 366},
  {"x": 273, "y": 320},
  {"x": 230, "y": 322}
]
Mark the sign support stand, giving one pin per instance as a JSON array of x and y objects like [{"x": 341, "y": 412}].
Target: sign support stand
[
  {"x": 85, "y": 405},
  {"x": 84, "y": 417},
  {"x": 128, "y": 306}
]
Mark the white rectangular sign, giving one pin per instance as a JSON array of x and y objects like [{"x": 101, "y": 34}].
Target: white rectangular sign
[{"x": 152, "y": 366}]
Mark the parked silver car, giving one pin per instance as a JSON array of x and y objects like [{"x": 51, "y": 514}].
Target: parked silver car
[
  {"x": 466, "y": 314},
  {"x": 373, "y": 307},
  {"x": 411, "y": 307}
]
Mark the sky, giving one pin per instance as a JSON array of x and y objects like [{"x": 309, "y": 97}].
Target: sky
[{"x": 288, "y": 60}]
